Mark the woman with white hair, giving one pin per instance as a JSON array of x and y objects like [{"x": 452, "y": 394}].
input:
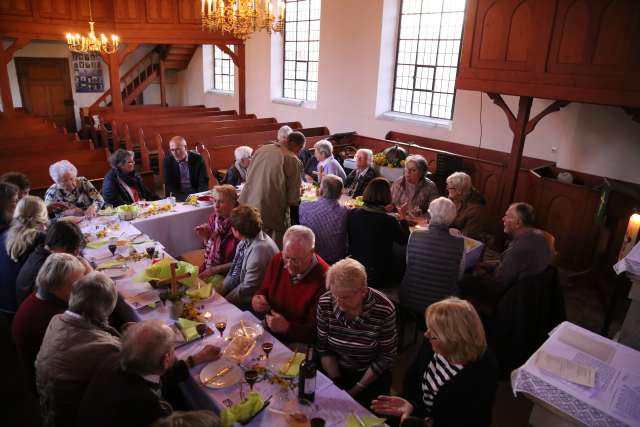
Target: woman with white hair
[
  {"x": 27, "y": 231},
  {"x": 434, "y": 260},
  {"x": 75, "y": 343},
  {"x": 470, "y": 204},
  {"x": 414, "y": 191},
  {"x": 237, "y": 172},
  {"x": 327, "y": 164},
  {"x": 122, "y": 185},
  {"x": 357, "y": 335},
  {"x": 71, "y": 194},
  {"x": 358, "y": 179}
]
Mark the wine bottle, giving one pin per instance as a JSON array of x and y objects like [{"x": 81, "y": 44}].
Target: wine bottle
[{"x": 307, "y": 377}]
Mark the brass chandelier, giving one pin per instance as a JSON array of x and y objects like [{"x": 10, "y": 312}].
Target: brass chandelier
[
  {"x": 241, "y": 18},
  {"x": 91, "y": 43}
]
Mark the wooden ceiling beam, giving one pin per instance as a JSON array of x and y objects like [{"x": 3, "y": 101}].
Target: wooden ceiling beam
[{"x": 6, "y": 54}]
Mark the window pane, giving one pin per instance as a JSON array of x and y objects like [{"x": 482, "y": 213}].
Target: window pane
[
  {"x": 427, "y": 58},
  {"x": 301, "y": 49},
  {"x": 223, "y": 70}
]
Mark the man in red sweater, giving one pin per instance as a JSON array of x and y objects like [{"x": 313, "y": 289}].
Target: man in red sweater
[{"x": 292, "y": 284}]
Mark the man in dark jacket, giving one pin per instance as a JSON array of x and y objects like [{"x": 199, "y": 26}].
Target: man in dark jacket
[
  {"x": 184, "y": 171},
  {"x": 132, "y": 388}
]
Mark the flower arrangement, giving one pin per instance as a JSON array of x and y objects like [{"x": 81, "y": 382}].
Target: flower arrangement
[{"x": 380, "y": 159}]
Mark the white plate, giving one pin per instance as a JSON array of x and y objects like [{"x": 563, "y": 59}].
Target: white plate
[
  {"x": 116, "y": 273},
  {"x": 226, "y": 380},
  {"x": 276, "y": 363},
  {"x": 254, "y": 330}
]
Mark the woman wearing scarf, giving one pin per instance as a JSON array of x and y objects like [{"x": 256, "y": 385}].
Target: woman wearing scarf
[
  {"x": 220, "y": 243},
  {"x": 414, "y": 190},
  {"x": 237, "y": 173},
  {"x": 122, "y": 185}
]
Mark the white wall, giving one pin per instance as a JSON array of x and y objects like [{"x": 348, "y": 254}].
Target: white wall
[{"x": 592, "y": 139}]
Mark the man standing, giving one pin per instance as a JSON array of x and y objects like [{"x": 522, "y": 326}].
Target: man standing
[
  {"x": 184, "y": 171},
  {"x": 273, "y": 183}
]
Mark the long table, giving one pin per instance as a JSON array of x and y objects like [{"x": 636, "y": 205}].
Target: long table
[{"x": 332, "y": 403}]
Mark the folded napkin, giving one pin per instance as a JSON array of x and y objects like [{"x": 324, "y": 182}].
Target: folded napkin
[
  {"x": 203, "y": 292},
  {"x": 216, "y": 282},
  {"x": 110, "y": 264},
  {"x": 97, "y": 244},
  {"x": 188, "y": 328},
  {"x": 242, "y": 411},
  {"x": 294, "y": 368},
  {"x": 162, "y": 271},
  {"x": 308, "y": 198},
  {"x": 368, "y": 420}
]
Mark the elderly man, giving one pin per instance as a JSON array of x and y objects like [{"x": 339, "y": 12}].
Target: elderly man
[
  {"x": 58, "y": 273},
  {"x": 328, "y": 220},
  {"x": 327, "y": 164},
  {"x": 435, "y": 260},
  {"x": 184, "y": 171},
  {"x": 132, "y": 388},
  {"x": 292, "y": 284},
  {"x": 273, "y": 183},
  {"x": 75, "y": 343},
  {"x": 360, "y": 177},
  {"x": 357, "y": 336}
]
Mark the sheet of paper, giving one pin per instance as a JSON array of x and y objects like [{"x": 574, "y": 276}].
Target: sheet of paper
[
  {"x": 627, "y": 398},
  {"x": 566, "y": 369},
  {"x": 582, "y": 342}
]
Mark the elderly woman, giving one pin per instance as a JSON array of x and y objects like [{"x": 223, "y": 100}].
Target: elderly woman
[
  {"x": 220, "y": 243},
  {"x": 27, "y": 231},
  {"x": 454, "y": 378},
  {"x": 71, "y": 195},
  {"x": 54, "y": 281},
  {"x": 357, "y": 335},
  {"x": 469, "y": 204},
  {"x": 327, "y": 164},
  {"x": 253, "y": 254},
  {"x": 360, "y": 177},
  {"x": 414, "y": 190},
  {"x": 75, "y": 343},
  {"x": 237, "y": 173},
  {"x": 372, "y": 232},
  {"x": 122, "y": 185},
  {"x": 435, "y": 260},
  {"x": 8, "y": 200}
]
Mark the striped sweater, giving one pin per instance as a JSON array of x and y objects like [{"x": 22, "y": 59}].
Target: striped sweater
[{"x": 369, "y": 340}]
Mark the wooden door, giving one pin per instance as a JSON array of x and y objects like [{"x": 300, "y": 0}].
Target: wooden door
[{"x": 45, "y": 88}]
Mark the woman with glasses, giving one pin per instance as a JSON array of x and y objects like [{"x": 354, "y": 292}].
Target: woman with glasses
[
  {"x": 470, "y": 204},
  {"x": 414, "y": 191},
  {"x": 454, "y": 378}
]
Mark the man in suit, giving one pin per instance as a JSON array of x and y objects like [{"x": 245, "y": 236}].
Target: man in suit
[{"x": 184, "y": 171}]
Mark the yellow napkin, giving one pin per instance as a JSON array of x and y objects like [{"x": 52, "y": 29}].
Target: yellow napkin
[
  {"x": 242, "y": 411},
  {"x": 368, "y": 420},
  {"x": 188, "y": 328},
  {"x": 216, "y": 281},
  {"x": 203, "y": 293},
  {"x": 110, "y": 264},
  {"x": 97, "y": 244},
  {"x": 162, "y": 271},
  {"x": 295, "y": 365}
]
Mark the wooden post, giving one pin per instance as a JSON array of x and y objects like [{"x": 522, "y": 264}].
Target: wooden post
[
  {"x": 163, "y": 93},
  {"x": 114, "y": 82},
  {"x": 242, "y": 101},
  {"x": 5, "y": 88}
]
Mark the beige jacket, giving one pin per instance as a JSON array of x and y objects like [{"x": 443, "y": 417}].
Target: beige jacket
[
  {"x": 273, "y": 184},
  {"x": 71, "y": 351}
]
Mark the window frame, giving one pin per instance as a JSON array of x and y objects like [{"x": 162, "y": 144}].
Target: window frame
[{"x": 232, "y": 70}]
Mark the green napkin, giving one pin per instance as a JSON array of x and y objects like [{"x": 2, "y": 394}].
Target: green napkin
[
  {"x": 294, "y": 369},
  {"x": 97, "y": 244},
  {"x": 242, "y": 411},
  {"x": 216, "y": 281},
  {"x": 188, "y": 328},
  {"x": 368, "y": 420},
  {"x": 162, "y": 271},
  {"x": 308, "y": 198},
  {"x": 203, "y": 293}
]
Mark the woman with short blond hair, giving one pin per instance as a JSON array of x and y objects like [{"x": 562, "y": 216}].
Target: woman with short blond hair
[{"x": 454, "y": 379}]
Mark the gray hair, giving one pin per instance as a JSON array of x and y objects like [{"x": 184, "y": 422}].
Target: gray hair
[
  {"x": 346, "y": 274},
  {"x": 242, "y": 152},
  {"x": 331, "y": 187},
  {"x": 301, "y": 234},
  {"x": 120, "y": 157},
  {"x": 29, "y": 220},
  {"x": 94, "y": 297},
  {"x": 369, "y": 154},
  {"x": 324, "y": 147},
  {"x": 461, "y": 181},
  {"x": 56, "y": 271},
  {"x": 58, "y": 169},
  {"x": 419, "y": 161},
  {"x": 283, "y": 133},
  {"x": 526, "y": 213},
  {"x": 442, "y": 211},
  {"x": 143, "y": 346}
]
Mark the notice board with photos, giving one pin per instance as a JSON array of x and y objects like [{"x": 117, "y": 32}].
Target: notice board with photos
[{"x": 87, "y": 72}]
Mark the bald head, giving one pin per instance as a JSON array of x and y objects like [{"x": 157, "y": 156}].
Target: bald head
[
  {"x": 178, "y": 147},
  {"x": 144, "y": 347}
]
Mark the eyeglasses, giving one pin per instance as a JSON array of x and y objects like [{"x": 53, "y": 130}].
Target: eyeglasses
[{"x": 430, "y": 337}]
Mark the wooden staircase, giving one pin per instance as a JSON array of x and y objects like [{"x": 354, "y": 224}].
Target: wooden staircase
[{"x": 147, "y": 71}]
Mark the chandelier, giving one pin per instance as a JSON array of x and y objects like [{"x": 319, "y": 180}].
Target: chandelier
[
  {"x": 91, "y": 43},
  {"x": 241, "y": 18}
]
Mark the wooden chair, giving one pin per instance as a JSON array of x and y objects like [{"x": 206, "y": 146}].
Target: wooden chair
[{"x": 206, "y": 156}]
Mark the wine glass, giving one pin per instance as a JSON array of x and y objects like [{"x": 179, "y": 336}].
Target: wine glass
[
  {"x": 251, "y": 376},
  {"x": 112, "y": 248},
  {"x": 221, "y": 324},
  {"x": 151, "y": 252},
  {"x": 267, "y": 347}
]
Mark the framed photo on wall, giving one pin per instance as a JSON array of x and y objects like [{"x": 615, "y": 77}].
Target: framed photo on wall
[{"x": 87, "y": 72}]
